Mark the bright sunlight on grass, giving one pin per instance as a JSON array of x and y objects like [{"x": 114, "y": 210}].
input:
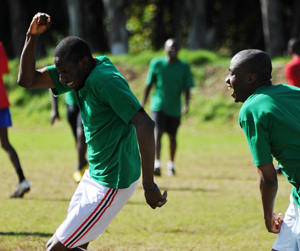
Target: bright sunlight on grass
[{"x": 213, "y": 202}]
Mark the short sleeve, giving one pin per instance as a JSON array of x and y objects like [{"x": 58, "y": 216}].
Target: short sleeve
[
  {"x": 258, "y": 141},
  {"x": 117, "y": 94}
]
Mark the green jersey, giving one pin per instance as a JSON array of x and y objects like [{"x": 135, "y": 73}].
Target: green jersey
[
  {"x": 170, "y": 81},
  {"x": 270, "y": 119},
  {"x": 71, "y": 98},
  {"x": 107, "y": 105}
]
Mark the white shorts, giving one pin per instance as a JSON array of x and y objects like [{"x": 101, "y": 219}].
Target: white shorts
[
  {"x": 288, "y": 238},
  {"x": 91, "y": 209}
]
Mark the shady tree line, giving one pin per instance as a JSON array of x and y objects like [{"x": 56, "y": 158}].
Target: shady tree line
[{"x": 122, "y": 26}]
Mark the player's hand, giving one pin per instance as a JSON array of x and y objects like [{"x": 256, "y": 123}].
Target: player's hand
[
  {"x": 54, "y": 116},
  {"x": 156, "y": 199},
  {"x": 39, "y": 24},
  {"x": 184, "y": 109},
  {"x": 273, "y": 225}
]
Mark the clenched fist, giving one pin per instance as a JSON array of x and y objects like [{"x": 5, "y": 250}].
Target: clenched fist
[{"x": 39, "y": 24}]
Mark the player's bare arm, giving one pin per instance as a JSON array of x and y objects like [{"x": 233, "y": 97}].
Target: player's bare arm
[
  {"x": 29, "y": 77},
  {"x": 145, "y": 133},
  {"x": 185, "y": 107},
  {"x": 268, "y": 189},
  {"x": 54, "y": 111},
  {"x": 146, "y": 94}
]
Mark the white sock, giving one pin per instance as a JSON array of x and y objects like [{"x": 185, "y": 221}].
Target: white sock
[
  {"x": 157, "y": 163},
  {"x": 170, "y": 164}
]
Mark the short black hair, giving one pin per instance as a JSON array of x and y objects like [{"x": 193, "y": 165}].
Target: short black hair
[
  {"x": 72, "y": 48},
  {"x": 294, "y": 45},
  {"x": 256, "y": 61}
]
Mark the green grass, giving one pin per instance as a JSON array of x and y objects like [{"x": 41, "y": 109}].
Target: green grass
[{"x": 213, "y": 202}]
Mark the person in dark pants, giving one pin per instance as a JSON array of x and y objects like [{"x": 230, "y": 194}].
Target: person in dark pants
[{"x": 171, "y": 77}]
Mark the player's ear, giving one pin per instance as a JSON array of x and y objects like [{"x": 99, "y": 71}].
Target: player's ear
[
  {"x": 251, "y": 78},
  {"x": 84, "y": 62}
]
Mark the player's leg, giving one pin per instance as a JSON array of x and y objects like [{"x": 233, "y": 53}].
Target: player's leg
[
  {"x": 81, "y": 144},
  {"x": 12, "y": 154},
  {"x": 172, "y": 124},
  {"x": 81, "y": 147},
  {"x": 72, "y": 111},
  {"x": 92, "y": 208},
  {"x": 5, "y": 122},
  {"x": 54, "y": 245},
  {"x": 159, "y": 119}
]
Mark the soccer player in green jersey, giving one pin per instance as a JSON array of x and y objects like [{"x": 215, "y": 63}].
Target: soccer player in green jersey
[
  {"x": 270, "y": 119},
  {"x": 117, "y": 129}
]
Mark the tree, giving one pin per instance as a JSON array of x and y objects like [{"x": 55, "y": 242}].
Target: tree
[
  {"x": 197, "y": 30},
  {"x": 18, "y": 26},
  {"x": 75, "y": 18},
  {"x": 118, "y": 34},
  {"x": 86, "y": 20},
  {"x": 272, "y": 27}
]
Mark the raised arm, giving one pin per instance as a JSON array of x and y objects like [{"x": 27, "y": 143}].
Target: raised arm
[
  {"x": 29, "y": 77},
  {"x": 145, "y": 134},
  {"x": 268, "y": 189}
]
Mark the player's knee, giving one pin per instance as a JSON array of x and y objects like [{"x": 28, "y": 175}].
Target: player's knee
[{"x": 6, "y": 146}]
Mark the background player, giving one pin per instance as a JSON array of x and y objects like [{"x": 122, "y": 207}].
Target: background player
[
  {"x": 5, "y": 122},
  {"x": 171, "y": 77}
]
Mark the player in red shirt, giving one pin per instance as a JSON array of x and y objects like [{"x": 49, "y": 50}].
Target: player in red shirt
[
  {"x": 292, "y": 68},
  {"x": 5, "y": 122}
]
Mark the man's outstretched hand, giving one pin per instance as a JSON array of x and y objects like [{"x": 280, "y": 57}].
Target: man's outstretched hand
[{"x": 39, "y": 24}]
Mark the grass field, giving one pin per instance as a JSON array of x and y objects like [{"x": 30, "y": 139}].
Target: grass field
[{"x": 213, "y": 202}]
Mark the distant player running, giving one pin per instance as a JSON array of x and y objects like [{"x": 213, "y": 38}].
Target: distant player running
[
  {"x": 270, "y": 119},
  {"x": 5, "y": 122},
  {"x": 114, "y": 124}
]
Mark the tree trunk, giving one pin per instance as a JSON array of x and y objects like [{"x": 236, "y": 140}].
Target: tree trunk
[
  {"x": 272, "y": 27},
  {"x": 118, "y": 34},
  {"x": 94, "y": 31},
  {"x": 197, "y": 14},
  {"x": 18, "y": 25},
  {"x": 178, "y": 20},
  {"x": 296, "y": 21},
  {"x": 75, "y": 18}
]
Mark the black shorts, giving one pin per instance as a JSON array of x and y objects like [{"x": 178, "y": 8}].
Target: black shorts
[{"x": 166, "y": 123}]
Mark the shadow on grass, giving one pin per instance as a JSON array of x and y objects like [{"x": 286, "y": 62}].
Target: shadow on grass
[
  {"x": 186, "y": 189},
  {"x": 25, "y": 234}
]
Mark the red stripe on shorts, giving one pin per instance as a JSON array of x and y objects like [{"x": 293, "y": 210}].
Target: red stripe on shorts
[
  {"x": 103, "y": 211},
  {"x": 84, "y": 223}
]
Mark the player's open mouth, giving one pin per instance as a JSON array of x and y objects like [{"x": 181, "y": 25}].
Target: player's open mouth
[
  {"x": 69, "y": 84},
  {"x": 229, "y": 86}
]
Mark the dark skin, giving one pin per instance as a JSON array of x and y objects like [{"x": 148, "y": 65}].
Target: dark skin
[
  {"x": 171, "y": 50},
  {"x": 244, "y": 84},
  {"x": 74, "y": 75}
]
